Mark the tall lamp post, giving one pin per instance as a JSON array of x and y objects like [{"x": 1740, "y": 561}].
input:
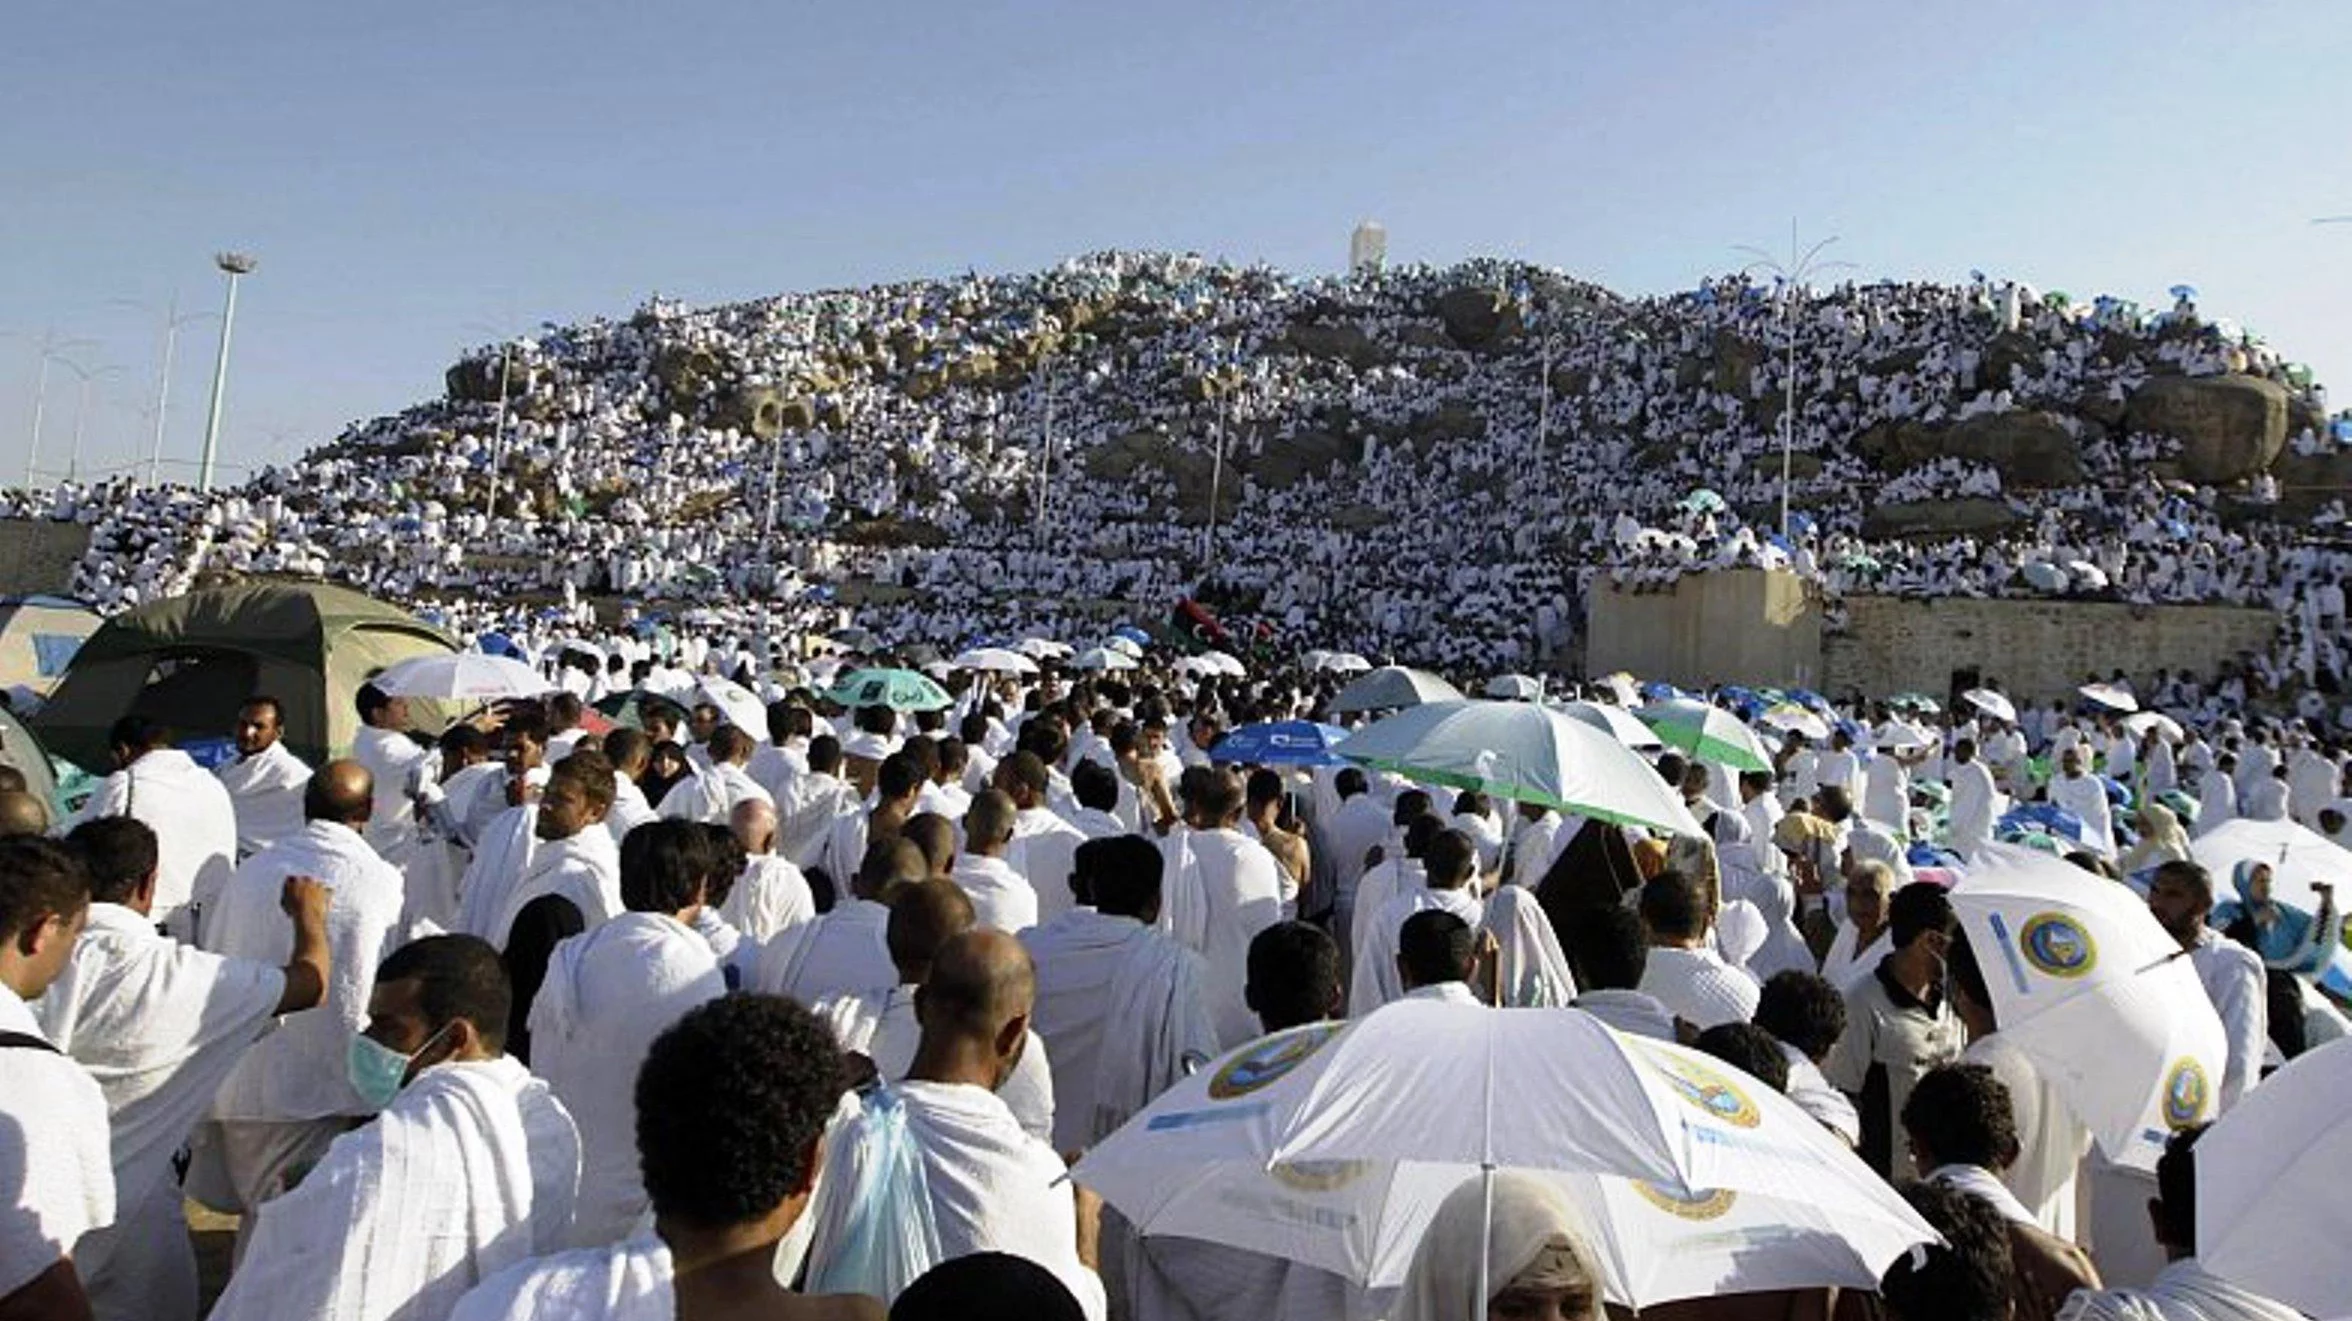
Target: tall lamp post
[
  {"x": 1801, "y": 267},
  {"x": 89, "y": 376},
  {"x": 51, "y": 346},
  {"x": 233, "y": 265},
  {"x": 172, "y": 321}
]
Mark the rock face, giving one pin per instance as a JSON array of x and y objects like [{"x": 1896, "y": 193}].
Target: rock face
[
  {"x": 1939, "y": 518},
  {"x": 1477, "y": 318},
  {"x": 2027, "y": 449},
  {"x": 755, "y": 409},
  {"x": 2230, "y": 427},
  {"x": 475, "y": 381},
  {"x": 1346, "y": 342}
]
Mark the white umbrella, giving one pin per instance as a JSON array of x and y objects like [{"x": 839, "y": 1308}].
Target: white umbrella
[
  {"x": 2095, "y": 993},
  {"x": 461, "y": 676},
  {"x": 2110, "y": 696},
  {"x": 1101, "y": 658},
  {"x": 995, "y": 660},
  {"x": 2049, "y": 577},
  {"x": 1790, "y": 718},
  {"x": 1393, "y": 686},
  {"x": 1513, "y": 688},
  {"x": 1991, "y": 703},
  {"x": 1525, "y": 753},
  {"x": 1227, "y": 664},
  {"x": 1333, "y": 1144},
  {"x": 2140, "y": 722},
  {"x": 1194, "y": 667},
  {"x": 2272, "y": 1199},
  {"x": 1124, "y": 646},
  {"x": 742, "y": 707},
  {"x": 2299, "y": 860},
  {"x": 1344, "y": 662},
  {"x": 1618, "y": 722},
  {"x": 1314, "y": 658},
  {"x": 1041, "y": 648}
]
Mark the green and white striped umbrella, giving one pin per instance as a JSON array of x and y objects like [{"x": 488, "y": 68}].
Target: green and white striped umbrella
[
  {"x": 900, "y": 690},
  {"x": 1525, "y": 753},
  {"x": 1708, "y": 733}
]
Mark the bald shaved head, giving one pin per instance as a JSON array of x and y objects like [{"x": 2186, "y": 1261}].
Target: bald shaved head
[
  {"x": 935, "y": 836},
  {"x": 889, "y": 861},
  {"x": 753, "y": 822},
  {"x": 342, "y": 792},
  {"x": 22, "y": 814},
  {"x": 974, "y": 1008},
  {"x": 925, "y": 916}
]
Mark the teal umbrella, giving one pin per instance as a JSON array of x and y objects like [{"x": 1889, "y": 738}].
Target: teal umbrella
[
  {"x": 1708, "y": 733},
  {"x": 900, "y": 690},
  {"x": 1525, "y": 753}
]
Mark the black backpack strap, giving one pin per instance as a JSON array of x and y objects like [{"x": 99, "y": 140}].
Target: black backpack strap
[{"x": 26, "y": 1041}]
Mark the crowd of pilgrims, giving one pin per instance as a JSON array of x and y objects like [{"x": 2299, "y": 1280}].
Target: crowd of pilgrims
[
  {"x": 531, "y": 1021},
  {"x": 943, "y": 436}
]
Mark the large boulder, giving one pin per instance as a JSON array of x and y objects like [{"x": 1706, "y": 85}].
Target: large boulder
[
  {"x": 1282, "y": 461},
  {"x": 1940, "y": 518},
  {"x": 475, "y": 381},
  {"x": 2028, "y": 449},
  {"x": 2307, "y": 482},
  {"x": 1448, "y": 422},
  {"x": 756, "y": 410},
  {"x": 2009, "y": 349},
  {"x": 2230, "y": 427},
  {"x": 1735, "y": 363},
  {"x": 1478, "y": 318},
  {"x": 1343, "y": 341},
  {"x": 686, "y": 373}
]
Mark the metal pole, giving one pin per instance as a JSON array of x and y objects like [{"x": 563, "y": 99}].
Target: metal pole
[
  {"x": 1216, "y": 486},
  {"x": 40, "y": 401},
  {"x": 171, "y": 335},
  {"x": 233, "y": 265},
  {"x": 73, "y": 458},
  {"x": 1788, "y": 410},
  {"x": 1045, "y": 472},
  {"x": 1543, "y": 409},
  {"x": 498, "y": 434}
]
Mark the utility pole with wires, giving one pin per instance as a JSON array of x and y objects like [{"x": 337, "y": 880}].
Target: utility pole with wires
[
  {"x": 51, "y": 347},
  {"x": 1800, "y": 267},
  {"x": 172, "y": 321}
]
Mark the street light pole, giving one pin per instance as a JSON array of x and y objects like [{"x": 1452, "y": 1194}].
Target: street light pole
[
  {"x": 73, "y": 462},
  {"x": 51, "y": 346},
  {"x": 1800, "y": 267},
  {"x": 233, "y": 265}
]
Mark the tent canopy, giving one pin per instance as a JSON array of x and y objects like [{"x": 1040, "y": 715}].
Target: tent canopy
[
  {"x": 38, "y": 638},
  {"x": 191, "y": 661}
]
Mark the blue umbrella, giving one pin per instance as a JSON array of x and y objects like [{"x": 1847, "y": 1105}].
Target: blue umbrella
[
  {"x": 2118, "y": 793},
  {"x": 211, "y": 753},
  {"x": 1132, "y": 634},
  {"x": 1929, "y": 855},
  {"x": 2044, "y": 819},
  {"x": 2184, "y": 291},
  {"x": 1657, "y": 690},
  {"x": 1280, "y": 743},
  {"x": 499, "y": 644}
]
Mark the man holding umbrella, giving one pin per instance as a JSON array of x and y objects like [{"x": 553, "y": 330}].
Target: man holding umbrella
[{"x": 2181, "y": 897}]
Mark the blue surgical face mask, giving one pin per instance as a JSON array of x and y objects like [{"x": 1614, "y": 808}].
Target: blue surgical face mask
[{"x": 377, "y": 1071}]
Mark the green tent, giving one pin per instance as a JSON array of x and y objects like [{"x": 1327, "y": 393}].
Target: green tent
[
  {"x": 38, "y": 638},
  {"x": 192, "y": 660}
]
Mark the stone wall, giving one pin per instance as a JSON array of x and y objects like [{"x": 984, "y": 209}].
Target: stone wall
[
  {"x": 2036, "y": 649},
  {"x": 1738, "y": 626},
  {"x": 37, "y": 555},
  {"x": 1752, "y": 627}
]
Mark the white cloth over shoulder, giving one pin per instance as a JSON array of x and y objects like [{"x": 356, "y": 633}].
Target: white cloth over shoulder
[
  {"x": 584, "y": 870},
  {"x": 993, "y": 1187},
  {"x": 471, "y": 1170},
  {"x": 845, "y": 950},
  {"x": 880, "y": 1025},
  {"x": 194, "y": 822},
  {"x": 297, "y": 1072},
  {"x": 1534, "y": 968},
  {"x": 53, "y": 1154},
  {"x": 2184, "y": 1291},
  {"x": 608, "y": 994},
  {"x": 769, "y": 896},
  {"x": 633, "y": 1280},
  {"x": 265, "y": 791}
]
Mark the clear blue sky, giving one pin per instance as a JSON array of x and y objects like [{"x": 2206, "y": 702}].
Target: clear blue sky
[{"x": 408, "y": 174}]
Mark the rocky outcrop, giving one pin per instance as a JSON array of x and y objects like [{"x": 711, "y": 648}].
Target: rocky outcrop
[
  {"x": 1940, "y": 518},
  {"x": 2029, "y": 450},
  {"x": 1348, "y": 343},
  {"x": 1478, "y": 318},
  {"x": 2230, "y": 427}
]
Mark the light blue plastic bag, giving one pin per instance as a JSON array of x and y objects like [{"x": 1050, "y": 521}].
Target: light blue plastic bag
[{"x": 890, "y": 1239}]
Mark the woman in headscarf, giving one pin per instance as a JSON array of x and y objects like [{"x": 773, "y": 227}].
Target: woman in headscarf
[
  {"x": 2288, "y": 939},
  {"x": 2161, "y": 839},
  {"x": 1537, "y": 1262}
]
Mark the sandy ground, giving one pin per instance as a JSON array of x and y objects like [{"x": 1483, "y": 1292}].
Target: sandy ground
[{"x": 216, "y": 1237}]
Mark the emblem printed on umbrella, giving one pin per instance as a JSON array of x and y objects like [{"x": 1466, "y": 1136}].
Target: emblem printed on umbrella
[
  {"x": 1269, "y": 1061},
  {"x": 1319, "y": 1176},
  {"x": 1707, "y": 1090},
  {"x": 1711, "y": 1204},
  {"x": 2186, "y": 1094},
  {"x": 2057, "y": 945}
]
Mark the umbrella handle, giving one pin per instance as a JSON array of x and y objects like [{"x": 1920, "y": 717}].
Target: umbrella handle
[{"x": 1486, "y": 1173}]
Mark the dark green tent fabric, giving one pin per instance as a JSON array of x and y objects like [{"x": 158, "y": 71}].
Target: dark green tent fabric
[{"x": 192, "y": 660}]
